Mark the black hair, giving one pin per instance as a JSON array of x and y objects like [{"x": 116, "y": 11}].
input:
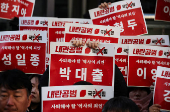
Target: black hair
[
  {"x": 82, "y": 83},
  {"x": 15, "y": 79},
  {"x": 14, "y": 23},
  {"x": 34, "y": 75},
  {"x": 141, "y": 88},
  {"x": 120, "y": 104}
]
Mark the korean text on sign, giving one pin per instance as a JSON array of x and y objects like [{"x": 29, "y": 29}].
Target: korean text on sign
[
  {"x": 87, "y": 32},
  {"x": 162, "y": 88},
  {"x": 126, "y": 14},
  {"x": 75, "y": 98},
  {"x": 56, "y": 28},
  {"x": 162, "y": 10},
  {"x": 73, "y": 64},
  {"x": 23, "y": 50},
  {"x": 121, "y": 58},
  {"x": 16, "y": 8},
  {"x": 158, "y": 40},
  {"x": 33, "y": 23},
  {"x": 143, "y": 62}
]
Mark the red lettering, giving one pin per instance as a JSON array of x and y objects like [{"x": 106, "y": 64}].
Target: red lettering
[
  {"x": 165, "y": 73},
  {"x": 154, "y": 52},
  {"x": 48, "y": 95},
  {"x": 148, "y": 52},
  {"x": 95, "y": 14},
  {"x": 98, "y": 13},
  {"x": 72, "y": 29},
  {"x": 27, "y": 22},
  {"x": 141, "y": 41},
  {"x": 124, "y": 41},
  {"x": 130, "y": 41},
  {"x": 135, "y": 41},
  {"x": 54, "y": 23},
  {"x": 112, "y": 9},
  {"x": 162, "y": 73}
]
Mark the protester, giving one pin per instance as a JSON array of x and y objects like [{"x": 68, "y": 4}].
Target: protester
[
  {"x": 15, "y": 91},
  {"x": 141, "y": 96},
  {"x": 35, "y": 102},
  {"x": 120, "y": 104}
]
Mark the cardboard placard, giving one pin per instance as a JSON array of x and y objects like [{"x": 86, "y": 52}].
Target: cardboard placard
[
  {"x": 24, "y": 50},
  {"x": 162, "y": 88},
  {"x": 143, "y": 62},
  {"x": 56, "y": 28},
  {"x": 75, "y": 98},
  {"x": 126, "y": 14},
  {"x": 16, "y": 8},
  {"x": 69, "y": 64}
]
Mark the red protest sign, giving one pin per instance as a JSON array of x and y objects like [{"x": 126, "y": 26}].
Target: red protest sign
[
  {"x": 162, "y": 88},
  {"x": 16, "y": 8},
  {"x": 76, "y": 64},
  {"x": 75, "y": 98},
  {"x": 87, "y": 32},
  {"x": 162, "y": 10},
  {"x": 24, "y": 50},
  {"x": 143, "y": 62},
  {"x": 121, "y": 58},
  {"x": 161, "y": 40},
  {"x": 56, "y": 28},
  {"x": 126, "y": 14},
  {"x": 34, "y": 24}
]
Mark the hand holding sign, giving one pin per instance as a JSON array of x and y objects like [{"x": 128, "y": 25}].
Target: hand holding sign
[
  {"x": 91, "y": 44},
  {"x": 104, "y": 5},
  {"x": 154, "y": 108}
]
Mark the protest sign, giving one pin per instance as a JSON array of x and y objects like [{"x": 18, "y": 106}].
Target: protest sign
[
  {"x": 75, "y": 98},
  {"x": 126, "y": 14},
  {"x": 16, "y": 8},
  {"x": 35, "y": 24},
  {"x": 24, "y": 50},
  {"x": 87, "y": 32},
  {"x": 69, "y": 64},
  {"x": 161, "y": 40},
  {"x": 162, "y": 10},
  {"x": 143, "y": 62},
  {"x": 56, "y": 28},
  {"x": 121, "y": 58},
  {"x": 162, "y": 88}
]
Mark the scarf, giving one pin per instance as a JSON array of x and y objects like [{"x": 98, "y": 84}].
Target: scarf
[{"x": 144, "y": 102}]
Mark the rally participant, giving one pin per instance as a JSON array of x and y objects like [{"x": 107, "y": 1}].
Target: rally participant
[
  {"x": 15, "y": 91},
  {"x": 141, "y": 96},
  {"x": 35, "y": 102},
  {"x": 120, "y": 104}
]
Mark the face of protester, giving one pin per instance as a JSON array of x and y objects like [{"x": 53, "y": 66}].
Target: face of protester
[
  {"x": 35, "y": 90},
  {"x": 14, "y": 100},
  {"x": 137, "y": 94}
]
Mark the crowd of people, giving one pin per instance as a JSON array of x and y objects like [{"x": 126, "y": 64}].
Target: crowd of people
[{"x": 20, "y": 92}]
